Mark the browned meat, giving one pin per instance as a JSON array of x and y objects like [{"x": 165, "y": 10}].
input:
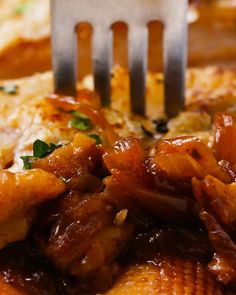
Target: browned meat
[
  {"x": 84, "y": 239},
  {"x": 163, "y": 261},
  {"x": 168, "y": 262},
  {"x": 84, "y": 225}
]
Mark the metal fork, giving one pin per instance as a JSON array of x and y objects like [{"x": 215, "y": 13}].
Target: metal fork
[{"x": 101, "y": 14}]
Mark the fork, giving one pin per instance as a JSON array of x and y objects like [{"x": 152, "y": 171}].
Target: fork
[{"x": 101, "y": 14}]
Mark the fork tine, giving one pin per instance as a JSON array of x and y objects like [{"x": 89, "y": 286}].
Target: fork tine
[
  {"x": 64, "y": 53},
  {"x": 66, "y": 14},
  {"x": 102, "y": 62},
  {"x": 138, "y": 67},
  {"x": 175, "y": 56}
]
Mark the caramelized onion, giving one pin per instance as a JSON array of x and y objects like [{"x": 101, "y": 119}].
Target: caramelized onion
[
  {"x": 225, "y": 137},
  {"x": 79, "y": 157},
  {"x": 223, "y": 264},
  {"x": 217, "y": 202},
  {"x": 219, "y": 196},
  {"x": 185, "y": 157},
  {"x": 95, "y": 115}
]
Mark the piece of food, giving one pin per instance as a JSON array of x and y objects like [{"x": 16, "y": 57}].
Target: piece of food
[
  {"x": 20, "y": 195},
  {"x": 188, "y": 158},
  {"x": 225, "y": 125},
  {"x": 34, "y": 118},
  {"x": 214, "y": 91},
  {"x": 171, "y": 277},
  {"x": 96, "y": 200},
  {"x": 168, "y": 261},
  {"x": 108, "y": 201},
  {"x": 217, "y": 202}
]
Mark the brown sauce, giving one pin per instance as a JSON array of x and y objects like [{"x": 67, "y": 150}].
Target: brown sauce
[
  {"x": 170, "y": 242},
  {"x": 23, "y": 268}
]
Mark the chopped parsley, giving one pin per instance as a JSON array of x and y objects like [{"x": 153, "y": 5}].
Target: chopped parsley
[
  {"x": 96, "y": 137},
  {"x": 80, "y": 121},
  {"x": 27, "y": 161},
  {"x": 40, "y": 150},
  {"x": 9, "y": 89}
]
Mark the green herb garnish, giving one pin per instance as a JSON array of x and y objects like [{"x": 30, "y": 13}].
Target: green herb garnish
[
  {"x": 96, "y": 137},
  {"x": 9, "y": 89},
  {"x": 80, "y": 121},
  {"x": 27, "y": 160},
  {"x": 21, "y": 9},
  {"x": 40, "y": 150}
]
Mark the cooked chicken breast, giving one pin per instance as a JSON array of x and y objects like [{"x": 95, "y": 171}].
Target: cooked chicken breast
[{"x": 28, "y": 113}]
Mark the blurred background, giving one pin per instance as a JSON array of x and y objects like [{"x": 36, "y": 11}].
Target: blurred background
[{"x": 26, "y": 49}]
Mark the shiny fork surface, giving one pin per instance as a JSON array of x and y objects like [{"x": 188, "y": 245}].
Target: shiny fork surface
[{"x": 101, "y": 14}]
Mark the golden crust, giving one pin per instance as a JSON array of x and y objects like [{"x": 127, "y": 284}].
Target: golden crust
[
  {"x": 27, "y": 116},
  {"x": 33, "y": 117},
  {"x": 191, "y": 123},
  {"x": 211, "y": 89}
]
